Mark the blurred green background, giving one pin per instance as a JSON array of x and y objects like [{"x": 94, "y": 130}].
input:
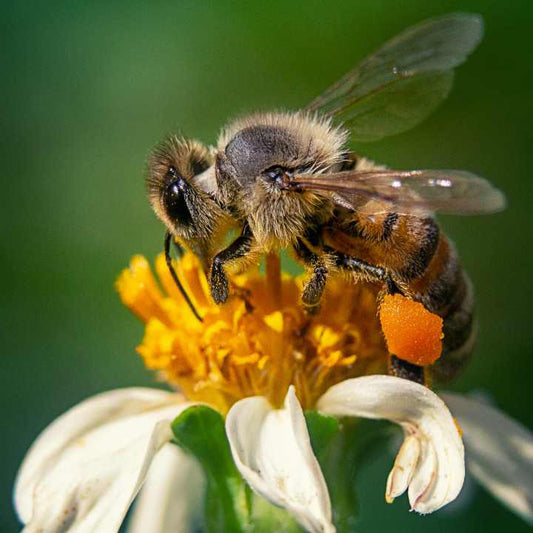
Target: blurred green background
[{"x": 89, "y": 87}]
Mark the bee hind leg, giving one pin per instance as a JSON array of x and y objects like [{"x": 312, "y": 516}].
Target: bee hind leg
[{"x": 397, "y": 367}]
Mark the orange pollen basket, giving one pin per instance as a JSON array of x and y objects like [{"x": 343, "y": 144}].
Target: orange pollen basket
[{"x": 260, "y": 341}]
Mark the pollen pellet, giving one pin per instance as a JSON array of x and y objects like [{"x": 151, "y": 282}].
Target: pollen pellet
[{"x": 411, "y": 331}]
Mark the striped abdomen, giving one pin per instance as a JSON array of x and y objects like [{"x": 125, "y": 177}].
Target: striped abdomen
[{"x": 423, "y": 264}]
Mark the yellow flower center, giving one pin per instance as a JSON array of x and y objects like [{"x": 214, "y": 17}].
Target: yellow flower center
[{"x": 260, "y": 341}]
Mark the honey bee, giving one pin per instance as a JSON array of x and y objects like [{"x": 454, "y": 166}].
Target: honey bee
[{"x": 289, "y": 181}]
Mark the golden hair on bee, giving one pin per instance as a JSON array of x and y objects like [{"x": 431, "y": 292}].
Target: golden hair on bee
[
  {"x": 314, "y": 134},
  {"x": 256, "y": 151},
  {"x": 176, "y": 182}
]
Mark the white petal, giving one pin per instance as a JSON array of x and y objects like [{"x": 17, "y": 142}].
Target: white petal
[
  {"x": 172, "y": 496},
  {"x": 85, "y": 469},
  {"x": 402, "y": 472},
  {"x": 435, "y": 470},
  {"x": 499, "y": 452},
  {"x": 272, "y": 450}
]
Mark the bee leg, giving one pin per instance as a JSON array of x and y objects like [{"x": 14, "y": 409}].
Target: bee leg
[
  {"x": 397, "y": 367},
  {"x": 315, "y": 285},
  {"x": 368, "y": 270},
  {"x": 352, "y": 264},
  {"x": 218, "y": 280}
]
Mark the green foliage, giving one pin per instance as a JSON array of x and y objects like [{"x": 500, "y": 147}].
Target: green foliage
[{"x": 342, "y": 448}]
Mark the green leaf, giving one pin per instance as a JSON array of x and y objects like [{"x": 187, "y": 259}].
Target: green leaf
[
  {"x": 200, "y": 431},
  {"x": 342, "y": 448}
]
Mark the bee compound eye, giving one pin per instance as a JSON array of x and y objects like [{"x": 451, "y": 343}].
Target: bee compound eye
[
  {"x": 175, "y": 203},
  {"x": 174, "y": 190}
]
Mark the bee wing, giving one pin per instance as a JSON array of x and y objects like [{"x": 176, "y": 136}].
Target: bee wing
[
  {"x": 407, "y": 191},
  {"x": 400, "y": 84}
]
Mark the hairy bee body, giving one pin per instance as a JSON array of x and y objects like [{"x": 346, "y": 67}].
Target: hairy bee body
[
  {"x": 289, "y": 180},
  {"x": 261, "y": 141},
  {"x": 179, "y": 194}
]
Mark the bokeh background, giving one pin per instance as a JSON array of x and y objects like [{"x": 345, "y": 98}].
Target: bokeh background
[{"x": 89, "y": 87}]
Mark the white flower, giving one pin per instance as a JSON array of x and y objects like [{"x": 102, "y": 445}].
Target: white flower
[
  {"x": 86, "y": 468},
  {"x": 431, "y": 459},
  {"x": 272, "y": 450}
]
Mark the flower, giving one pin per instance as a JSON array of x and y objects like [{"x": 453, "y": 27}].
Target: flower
[
  {"x": 86, "y": 468},
  {"x": 260, "y": 361}
]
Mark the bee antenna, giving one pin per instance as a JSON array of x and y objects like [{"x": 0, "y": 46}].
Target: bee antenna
[{"x": 168, "y": 240}]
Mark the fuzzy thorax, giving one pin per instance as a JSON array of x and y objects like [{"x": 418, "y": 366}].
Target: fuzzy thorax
[
  {"x": 315, "y": 135},
  {"x": 278, "y": 218},
  {"x": 251, "y": 149}
]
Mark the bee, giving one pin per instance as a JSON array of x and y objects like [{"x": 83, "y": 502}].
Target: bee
[{"x": 290, "y": 181}]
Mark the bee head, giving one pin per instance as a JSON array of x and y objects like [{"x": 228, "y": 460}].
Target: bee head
[{"x": 176, "y": 189}]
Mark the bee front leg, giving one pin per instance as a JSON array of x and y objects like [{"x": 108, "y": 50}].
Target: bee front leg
[
  {"x": 315, "y": 285},
  {"x": 218, "y": 280}
]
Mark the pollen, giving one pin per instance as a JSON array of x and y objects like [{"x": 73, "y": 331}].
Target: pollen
[
  {"x": 412, "y": 332},
  {"x": 260, "y": 341}
]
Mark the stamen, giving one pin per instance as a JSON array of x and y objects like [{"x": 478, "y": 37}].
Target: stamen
[
  {"x": 258, "y": 343},
  {"x": 273, "y": 279}
]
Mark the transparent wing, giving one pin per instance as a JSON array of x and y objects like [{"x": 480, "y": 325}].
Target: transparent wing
[
  {"x": 407, "y": 191},
  {"x": 400, "y": 84}
]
